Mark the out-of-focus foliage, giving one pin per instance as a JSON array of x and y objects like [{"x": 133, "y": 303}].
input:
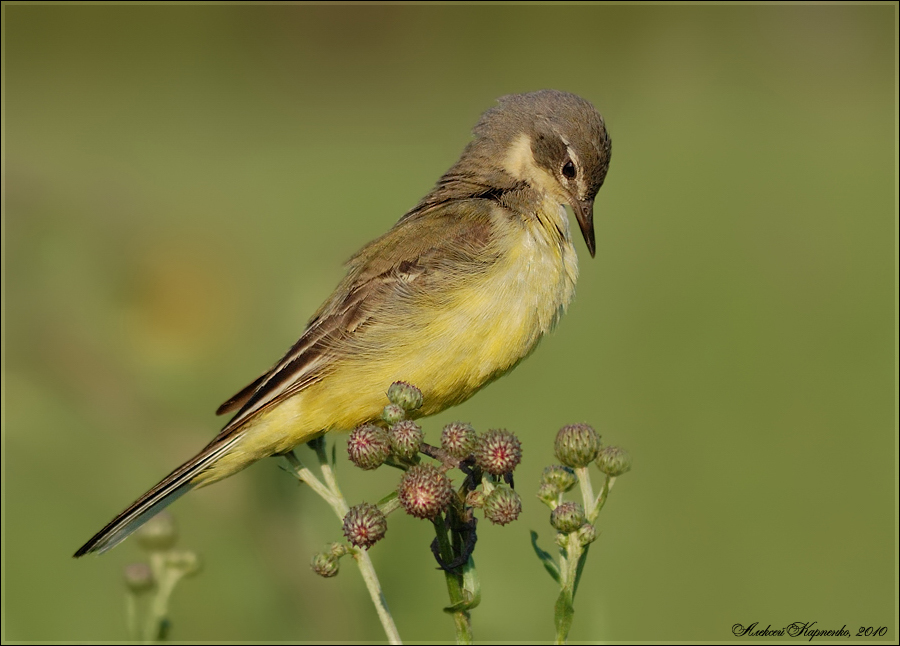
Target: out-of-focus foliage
[{"x": 182, "y": 185}]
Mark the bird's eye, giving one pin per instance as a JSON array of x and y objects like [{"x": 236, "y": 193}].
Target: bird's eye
[{"x": 568, "y": 170}]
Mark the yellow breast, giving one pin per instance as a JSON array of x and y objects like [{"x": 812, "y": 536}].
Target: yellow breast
[{"x": 449, "y": 346}]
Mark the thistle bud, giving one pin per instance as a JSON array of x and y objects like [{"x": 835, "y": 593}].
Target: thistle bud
[
  {"x": 369, "y": 446},
  {"x": 138, "y": 577},
  {"x": 502, "y": 506},
  {"x": 458, "y": 439},
  {"x": 158, "y": 534},
  {"x": 549, "y": 495},
  {"x": 567, "y": 517},
  {"x": 338, "y": 549},
  {"x": 405, "y": 395},
  {"x": 424, "y": 491},
  {"x": 559, "y": 478},
  {"x": 475, "y": 498},
  {"x": 577, "y": 445},
  {"x": 614, "y": 461},
  {"x": 393, "y": 414},
  {"x": 364, "y": 525},
  {"x": 406, "y": 438},
  {"x": 586, "y": 534},
  {"x": 498, "y": 452},
  {"x": 188, "y": 563},
  {"x": 325, "y": 565}
]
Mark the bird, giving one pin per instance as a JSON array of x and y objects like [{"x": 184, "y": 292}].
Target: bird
[{"x": 453, "y": 296}]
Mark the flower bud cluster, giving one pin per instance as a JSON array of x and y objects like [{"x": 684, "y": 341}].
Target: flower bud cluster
[
  {"x": 158, "y": 536},
  {"x": 371, "y": 445},
  {"x": 425, "y": 490},
  {"x": 568, "y": 518},
  {"x": 576, "y": 446}
]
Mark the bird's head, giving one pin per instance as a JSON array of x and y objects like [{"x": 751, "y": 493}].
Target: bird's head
[{"x": 557, "y": 143}]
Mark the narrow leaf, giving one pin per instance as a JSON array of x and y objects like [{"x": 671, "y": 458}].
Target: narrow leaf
[
  {"x": 565, "y": 613},
  {"x": 471, "y": 583},
  {"x": 547, "y": 560},
  {"x": 581, "y": 562}
]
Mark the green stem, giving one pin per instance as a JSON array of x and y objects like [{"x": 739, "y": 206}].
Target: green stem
[
  {"x": 157, "y": 627},
  {"x": 302, "y": 473},
  {"x": 330, "y": 480},
  {"x": 390, "y": 503},
  {"x": 602, "y": 496},
  {"x": 587, "y": 491},
  {"x": 131, "y": 615},
  {"x": 573, "y": 556},
  {"x": 570, "y": 566},
  {"x": 367, "y": 569},
  {"x": 455, "y": 585},
  {"x": 331, "y": 493}
]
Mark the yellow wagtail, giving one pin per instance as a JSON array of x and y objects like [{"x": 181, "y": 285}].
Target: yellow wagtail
[{"x": 453, "y": 296}]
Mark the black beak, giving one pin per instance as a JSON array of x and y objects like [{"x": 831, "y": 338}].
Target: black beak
[{"x": 584, "y": 213}]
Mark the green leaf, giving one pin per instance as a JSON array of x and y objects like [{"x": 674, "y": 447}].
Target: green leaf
[
  {"x": 549, "y": 564},
  {"x": 471, "y": 584},
  {"x": 470, "y": 589},
  {"x": 462, "y": 606},
  {"x": 388, "y": 498},
  {"x": 581, "y": 562},
  {"x": 565, "y": 613}
]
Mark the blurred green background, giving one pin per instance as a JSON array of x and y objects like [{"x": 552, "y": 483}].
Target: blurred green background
[{"x": 183, "y": 185}]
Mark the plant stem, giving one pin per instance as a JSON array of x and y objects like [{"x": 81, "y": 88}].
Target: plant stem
[
  {"x": 303, "y": 474},
  {"x": 157, "y": 625},
  {"x": 604, "y": 492},
  {"x": 331, "y": 493},
  {"x": 131, "y": 618},
  {"x": 341, "y": 508},
  {"x": 570, "y": 564},
  {"x": 459, "y": 602},
  {"x": 573, "y": 555},
  {"x": 587, "y": 492},
  {"x": 367, "y": 569}
]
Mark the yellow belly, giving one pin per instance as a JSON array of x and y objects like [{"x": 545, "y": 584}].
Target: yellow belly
[{"x": 449, "y": 347}]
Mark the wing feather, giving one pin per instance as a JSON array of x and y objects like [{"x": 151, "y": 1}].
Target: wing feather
[{"x": 425, "y": 247}]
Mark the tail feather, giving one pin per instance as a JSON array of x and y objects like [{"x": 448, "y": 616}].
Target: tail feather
[{"x": 172, "y": 487}]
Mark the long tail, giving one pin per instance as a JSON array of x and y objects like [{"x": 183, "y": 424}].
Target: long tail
[{"x": 172, "y": 487}]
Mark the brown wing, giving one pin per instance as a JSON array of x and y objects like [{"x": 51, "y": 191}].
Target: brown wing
[
  {"x": 430, "y": 242},
  {"x": 241, "y": 398}
]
